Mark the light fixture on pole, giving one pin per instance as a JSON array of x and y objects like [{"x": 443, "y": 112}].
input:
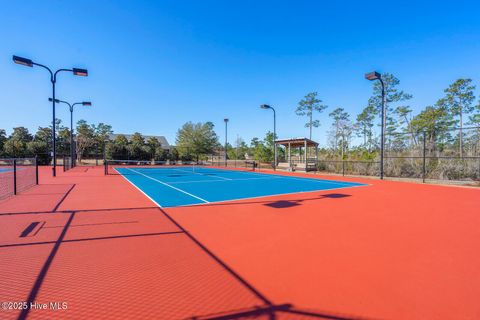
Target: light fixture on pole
[
  {"x": 53, "y": 78},
  {"x": 266, "y": 106},
  {"x": 372, "y": 76}
]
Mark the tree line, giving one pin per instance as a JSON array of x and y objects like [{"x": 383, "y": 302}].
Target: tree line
[
  {"x": 455, "y": 109},
  {"x": 89, "y": 139},
  {"x": 356, "y": 137},
  {"x": 350, "y": 137}
]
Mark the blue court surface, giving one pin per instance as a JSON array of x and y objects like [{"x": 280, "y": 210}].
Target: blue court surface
[{"x": 183, "y": 186}]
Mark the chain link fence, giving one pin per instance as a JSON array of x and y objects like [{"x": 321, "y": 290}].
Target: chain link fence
[
  {"x": 447, "y": 155},
  {"x": 17, "y": 175}
]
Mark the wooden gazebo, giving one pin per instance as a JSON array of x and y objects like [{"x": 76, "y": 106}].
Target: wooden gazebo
[{"x": 305, "y": 161}]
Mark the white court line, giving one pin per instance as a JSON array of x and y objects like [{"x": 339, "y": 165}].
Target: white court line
[
  {"x": 241, "y": 179},
  {"x": 274, "y": 175},
  {"x": 226, "y": 170},
  {"x": 133, "y": 184},
  {"x": 270, "y": 195},
  {"x": 238, "y": 199},
  {"x": 326, "y": 181},
  {"x": 298, "y": 178},
  {"x": 203, "y": 174},
  {"x": 253, "y": 173},
  {"x": 304, "y": 178},
  {"x": 166, "y": 184}
]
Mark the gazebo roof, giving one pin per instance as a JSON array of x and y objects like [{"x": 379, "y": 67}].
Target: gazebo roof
[{"x": 297, "y": 142}]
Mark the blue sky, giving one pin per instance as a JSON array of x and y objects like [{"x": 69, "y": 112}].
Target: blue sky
[{"x": 156, "y": 64}]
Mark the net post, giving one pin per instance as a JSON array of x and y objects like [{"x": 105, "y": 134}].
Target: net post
[
  {"x": 74, "y": 156},
  {"x": 63, "y": 163},
  {"x": 105, "y": 164},
  {"x": 104, "y": 153},
  {"x": 36, "y": 169},
  {"x": 14, "y": 176}
]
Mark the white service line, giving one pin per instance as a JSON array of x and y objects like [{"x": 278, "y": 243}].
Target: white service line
[
  {"x": 166, "y": 184},
  {"x": 133, "y": 184},
  {"x": 202, "y": 174},
  {"x": 343, "y": 183},
  {"x": 237, "y": 171},
  {"x": 241, "y": 179},
  {"x": 271, "y": 195}
]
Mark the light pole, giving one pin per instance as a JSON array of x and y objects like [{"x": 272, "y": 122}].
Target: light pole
[
  {"x": 53, "y": 78},
  {"x": 266, "y": 106},
  {"x": 236, "y": 151},
  {"x": 226, "y": 127},
  {"x": 372, "y": 76},
  {"x": 84, "y": 103}
]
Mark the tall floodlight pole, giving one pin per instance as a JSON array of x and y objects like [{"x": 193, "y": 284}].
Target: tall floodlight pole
[
  {"x": 84, "y": 103},
  {"x": 372, "y": 76},
  {"x": 53, "y": 78},
  {"x": 226, "y": 128},
  {"x": 266, "y": 106}
]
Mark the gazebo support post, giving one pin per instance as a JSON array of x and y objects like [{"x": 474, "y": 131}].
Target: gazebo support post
[
  {"x": 306, "y": 153},
  {"x": 289, "y": 156}
]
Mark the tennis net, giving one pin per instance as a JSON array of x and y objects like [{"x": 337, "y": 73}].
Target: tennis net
[{"x": 129, "y": 167}]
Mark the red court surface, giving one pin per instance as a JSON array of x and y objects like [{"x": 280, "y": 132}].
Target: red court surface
[{"x": 103, "y": 250}]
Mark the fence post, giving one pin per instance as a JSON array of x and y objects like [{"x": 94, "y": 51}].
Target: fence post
[
  {"x": 74, "y": 155},
  {"x": 36, "y": 170},
  {"x": 424, "y": 155},
  {"x": 105, "y": 152},
  {"x": 14, "y": 176}
]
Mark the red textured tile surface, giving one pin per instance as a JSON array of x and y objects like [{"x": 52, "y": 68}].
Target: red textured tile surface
[
  {"x": 388, "y": 251},
  {"x": 19, "y": 269},
  {"x": 149, "y": 277},
  {"x": 392, "y": 250}
]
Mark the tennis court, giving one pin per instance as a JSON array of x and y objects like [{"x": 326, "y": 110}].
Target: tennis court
[
  {"x": 174, "y": 186},
  {"x": 306, "y": 247}
]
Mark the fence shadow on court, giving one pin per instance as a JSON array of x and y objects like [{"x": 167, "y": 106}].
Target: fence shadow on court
[
  {"x": 278, "y": 204},
  {"x": 214, "y": 271},
  {"x": 273, "y": 312},
  {"x": 282, "y": 204}
]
